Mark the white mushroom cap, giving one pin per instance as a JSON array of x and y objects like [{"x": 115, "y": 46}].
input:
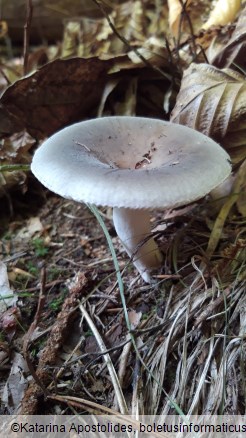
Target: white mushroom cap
[{"x": 130, "y": 162}]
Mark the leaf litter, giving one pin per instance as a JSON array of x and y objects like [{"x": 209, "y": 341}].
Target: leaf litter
[{"x": 70, "y": 331}]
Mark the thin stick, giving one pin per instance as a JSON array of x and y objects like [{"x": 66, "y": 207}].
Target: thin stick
[
  {"x": 184, "y": 14},
  {"x": 107, "y": 358},
  {"x": 32, "y": 327},
  {"x": 103, "y": 410},
  {"x": 27, "y": 28}
]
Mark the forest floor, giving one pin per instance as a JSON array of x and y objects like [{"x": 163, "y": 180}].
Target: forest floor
[{"x": 184, "y": 326}]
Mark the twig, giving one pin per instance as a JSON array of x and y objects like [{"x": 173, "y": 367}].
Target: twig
[
  {"x": 5, "y": 76},
  {"x": 209, "y": 309},
  {"x": 46, "y": 286},
  {"x": 27, "y": 28},
  {"x": 79, "y": 402},
  {"x": 195, "y": 46},
  {"x": 69, "y": 362},
  {"x": 55, "y": 341},
  {"x": 115, "y": 381},
  {"x": 124, "y": 359},
  {"x": 185, "y": 14},
  {"x": 28, "y": 336},
  {"x": 103, "y": 410}
]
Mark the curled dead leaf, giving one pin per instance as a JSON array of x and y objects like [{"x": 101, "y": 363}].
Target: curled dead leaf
[
  {"x": 12, "y": 179},
  {"x": 233, "y": 53},
  {"x": 213, "y": 102}
]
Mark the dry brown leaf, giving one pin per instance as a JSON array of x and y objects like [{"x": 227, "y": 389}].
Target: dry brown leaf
[
  {"x": 153, "y": 51},
  {"x": 82, "y": 37},
  {"x": 7, "y": 297},
  {"x": 15, "y": 149},
  {"x": 186, "y": 18},
  {"x": 9, "y": 322},
  {"x": 12, "y": 179},
  {"x": 71, "y": 37},
  {"x": 60, "y": 93},
  {"x": 224, "y": 12},
  {"x": 157, "y": 18},
  {"x": 175, "y": 9},
  {"x": 213, "y": 102},
  {"x": 85, "y": 37},
  {"x": 63, "y": 92},
  {"x": 211, "y": 39},
  {"x": 32, "y": 226},
  {"x": 134, "y": 22},
  {"x": 134, "y": 318},
  {"x": 16, "y": 384},
  {"x": 234, "y": 51},
  {"x": 130, "y": 22}
]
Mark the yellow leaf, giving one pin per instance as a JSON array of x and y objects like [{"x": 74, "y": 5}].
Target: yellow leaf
[{"x": 224, "y": 12}]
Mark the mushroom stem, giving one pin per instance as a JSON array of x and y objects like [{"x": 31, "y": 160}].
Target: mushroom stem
[
  {"x": 132, "y": 227},
  {"x": 224, "y": 189},
  {"x": 221, "y": 192}
]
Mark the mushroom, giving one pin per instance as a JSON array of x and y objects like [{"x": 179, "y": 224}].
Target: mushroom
[
  {"x": 222, "y": 191},
  {"x": 132, "y": 164}
]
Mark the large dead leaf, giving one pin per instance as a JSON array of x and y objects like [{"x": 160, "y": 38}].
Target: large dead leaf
[
  {"x": 213, "y": 102},
  {"x": 65, "y": 91},
  {"x": 15, "y": 149},
  {"x": 60, "y": 93}
]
